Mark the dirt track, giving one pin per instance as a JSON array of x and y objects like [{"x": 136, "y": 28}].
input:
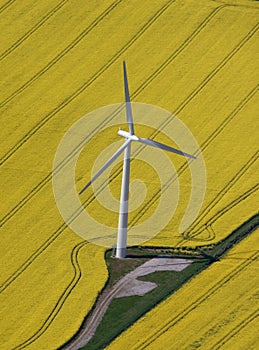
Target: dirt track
[{"x": 127, "y": 285}]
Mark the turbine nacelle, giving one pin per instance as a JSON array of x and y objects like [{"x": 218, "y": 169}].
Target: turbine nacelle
[{"x": 128, "y": 135}]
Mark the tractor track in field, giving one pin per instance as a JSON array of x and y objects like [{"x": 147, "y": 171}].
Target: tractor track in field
[
  {"x": 191, "y": 233},
  {"x": 223, "y": 191},
  {"x": 56, "y": 234},
  {"x": 89, "y": 333},
  {"x": 48, "y": 178},
  {"x": 44, "y": 19},
  {"x": 189, "y": 98},
  {"x": 6, "y": 5},
  {"x": 44, "y": 246},
  {"x": 208, "y": 225},
  {"x": 91, "y": 27},
  {"x": 93, "y": 319},
  {"x": 63, "y": 52},
  {"x": 176, "y": 318},
  {"x": 63, "y": 104},
  {"x": 29, "y": 261},
  {"x": 251, "y": 5},
  {"x": 37, "y": 253},
  {"x": 90, "y": 325},
  {"x": 96, "y": 317},
  {"x": 75, "y": 251},
  {"x": 61, "y": 300},
  {"x": 203, "y": 146},
  {"x": 245, "y": 322},
  {"x": 38, "y": 187},
  {"x": 90, "y": 81},
  {"x": 221, "y": 212}
]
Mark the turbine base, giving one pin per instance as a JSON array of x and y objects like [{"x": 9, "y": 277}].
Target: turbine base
[{"x": 121, "y": 253}]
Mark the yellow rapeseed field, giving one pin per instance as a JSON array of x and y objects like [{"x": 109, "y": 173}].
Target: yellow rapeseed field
[
  {"x": 61, "y": 59},
  {"x": 216, "y": 310}
]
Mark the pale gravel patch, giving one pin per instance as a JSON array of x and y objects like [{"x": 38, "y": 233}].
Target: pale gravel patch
[
  {"x": 126, "y": 285},
  {"x": 162, "y": 264},
  {"x": 135, "y": 287}
]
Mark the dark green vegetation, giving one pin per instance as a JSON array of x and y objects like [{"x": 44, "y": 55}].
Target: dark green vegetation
[
  {"x": 120, "y": 267},
  {"x": 132, "y": 308},
  {"x": 216, "y": 251},
  {"x": 123, "y": 312}
]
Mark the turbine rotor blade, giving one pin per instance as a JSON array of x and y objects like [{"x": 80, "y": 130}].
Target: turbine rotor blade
[
  {"x": 127, "y": 100},
  {"x": 106, "y": 165},
  {"x": 165, "y": 147}
]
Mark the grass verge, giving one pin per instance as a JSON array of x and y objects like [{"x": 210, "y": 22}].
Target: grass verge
[{"x": 123, "y": 312}]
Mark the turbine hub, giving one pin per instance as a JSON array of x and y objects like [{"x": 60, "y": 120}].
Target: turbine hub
[{"x": 127, "y": 135}]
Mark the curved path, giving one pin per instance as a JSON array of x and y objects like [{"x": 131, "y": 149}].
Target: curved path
[{"x": 127, "y": 285}]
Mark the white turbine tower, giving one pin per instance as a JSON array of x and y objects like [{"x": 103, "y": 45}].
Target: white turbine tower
[{"x": 130, "y": 137}]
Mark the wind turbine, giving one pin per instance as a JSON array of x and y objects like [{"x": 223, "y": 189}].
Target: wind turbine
[{"x": 126, "y": 147}]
